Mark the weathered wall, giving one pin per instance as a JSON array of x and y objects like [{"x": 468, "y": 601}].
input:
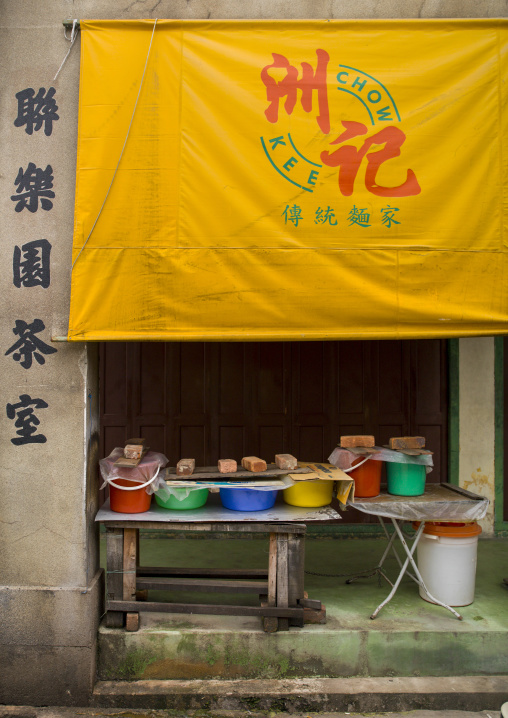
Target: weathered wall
[
  {"x": 51, "y": 587},
  {"x": 476, "y": 419}
]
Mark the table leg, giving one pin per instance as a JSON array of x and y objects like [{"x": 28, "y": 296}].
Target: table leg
[
  {"x": 379, "y": 568},
  {"x": 114, "y": 574},
  {"x": 282, "y": 578},
  {"x": 271, "y": 623},
  {"x": 130, "y": 545},
  {"x": 296, "y": 573},
  {"x": 419, "y": 578},
  {"x": 404, "y": 566},
  {"x": 409, "y": 559}
]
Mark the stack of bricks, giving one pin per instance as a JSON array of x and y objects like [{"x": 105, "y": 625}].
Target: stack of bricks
[
  {"x": 254, "y": 464},
  {"x": 286, "y": 462},
  {"x": 357, "y": 441},
  {"x": 404, "y": 443},
  {"x": 134, "y": 448},
  {"x": 185, "y": 467},
  {"x": 227, "y": 466}
]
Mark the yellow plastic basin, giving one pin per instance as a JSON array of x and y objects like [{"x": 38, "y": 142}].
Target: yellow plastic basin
[{"x": 309, "y": 494}]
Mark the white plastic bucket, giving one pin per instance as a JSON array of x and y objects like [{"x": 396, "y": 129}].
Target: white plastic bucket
[{"x": 447, "y": 564}]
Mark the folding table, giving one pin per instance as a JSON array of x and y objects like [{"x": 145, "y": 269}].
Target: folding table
[
  {"x": 440, "y": 502},
  {"x": 280, "y": 586}
]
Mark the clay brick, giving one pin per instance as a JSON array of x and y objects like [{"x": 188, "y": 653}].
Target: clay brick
[
  {"x": 351, "y": 442},
  {"x": 185, "y": 467},
  {"x": 227, "y": 466},
  {"x": 133, "y": 451},
  {"x": 286, "y": 461},
  {"x": 407, "y": 442},
  {"x": 311, "y": 615},
  {"x": 132, "y": 622},
  {"x": 253, "y": 463}
]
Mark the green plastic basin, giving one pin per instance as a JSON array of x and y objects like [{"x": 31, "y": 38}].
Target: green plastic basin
[
  {"x": 405, "y": 479},
  {"x": 195, "y": 499}
]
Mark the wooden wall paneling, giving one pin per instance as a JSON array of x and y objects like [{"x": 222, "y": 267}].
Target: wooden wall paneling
[
  {"x": 229, "y": 401},
  {"x": 429, "y": 408},
  {"x": 270, "y": 379},
  {"x": 226, "y": 400},
  {"x": 350, "y": 369},
  {"x": 392, "y": 390}
]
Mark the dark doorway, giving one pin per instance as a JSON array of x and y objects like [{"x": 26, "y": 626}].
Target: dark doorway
[{"x": 228, "y": 400}]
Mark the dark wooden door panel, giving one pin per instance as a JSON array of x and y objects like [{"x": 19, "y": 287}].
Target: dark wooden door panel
[{"x": 228, "y": 400}]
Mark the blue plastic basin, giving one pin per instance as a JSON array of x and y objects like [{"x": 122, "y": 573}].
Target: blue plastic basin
[{"x": 247, "y": 499}]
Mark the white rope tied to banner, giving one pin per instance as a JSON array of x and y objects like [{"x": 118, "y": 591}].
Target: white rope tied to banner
[
  {"x": 72, "y": 38},
  {"x": 123, "y": 148}
]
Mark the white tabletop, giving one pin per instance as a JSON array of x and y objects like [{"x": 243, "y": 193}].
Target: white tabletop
[
  {"x": 214, "y": 511},
  {"x": 440, "y": 502}
]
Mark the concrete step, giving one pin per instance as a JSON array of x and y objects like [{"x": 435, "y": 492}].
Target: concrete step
[
  {"x": 86, "y": 712},
  {"x": 351, "y": 695},
  {"x": 430, "y": 642},
  {"x": 410, "y": 637}
]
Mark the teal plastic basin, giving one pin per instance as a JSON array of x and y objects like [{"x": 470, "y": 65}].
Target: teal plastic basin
[
  {"x": 195, "y": 499},
  {"x": 405, "y": 479}
]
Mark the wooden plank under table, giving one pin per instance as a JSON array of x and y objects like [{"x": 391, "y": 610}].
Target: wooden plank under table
[{"x": 280, "y": 586}]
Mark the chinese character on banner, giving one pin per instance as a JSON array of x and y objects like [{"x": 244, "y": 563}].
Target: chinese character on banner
[
  {"x": 30, "y": 264},
  {"x": 348, "y": 159},
  {"x": 388, "y": 216},
  {"x": 29, "y": 346},
  {"x": 33, "y": 183},
  {"x": 36, "y": 110},
  {"x": 293, "y": 214},
  {"x": 26, "y": 422},
  {"x": 325, "y": 215},
  {"x": 359, "y": 216},
  {"x": 288, "y": 87}
]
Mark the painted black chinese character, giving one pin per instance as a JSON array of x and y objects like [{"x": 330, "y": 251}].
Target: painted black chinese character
[
  {"x": 28, "y": 345},
  {"x": 26, "y": 422},
  {"x": 30, "y": 264},
  {"x": 35, "y": 110},
  {"x": 32, "y": 184}
]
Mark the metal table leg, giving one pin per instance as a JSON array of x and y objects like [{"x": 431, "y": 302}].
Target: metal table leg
[
  {"x": 379, "y": 568},
  {"x": 410, "y": 560}
]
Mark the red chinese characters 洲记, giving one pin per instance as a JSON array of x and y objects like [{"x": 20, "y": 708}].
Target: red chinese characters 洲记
[{"x": 309, "y": 82}]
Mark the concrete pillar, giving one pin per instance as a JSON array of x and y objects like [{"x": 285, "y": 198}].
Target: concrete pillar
[
  {"x": 476, "y": 421},
  {"x": 50, "y": 590}
]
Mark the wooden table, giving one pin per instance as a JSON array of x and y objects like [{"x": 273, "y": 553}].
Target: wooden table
[{"x": 280, "y": 586}]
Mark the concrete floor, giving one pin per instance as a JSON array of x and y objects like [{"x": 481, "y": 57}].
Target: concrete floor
[
  {"x": 28, "y": 712},
  {"x": 410, "y": 637}
]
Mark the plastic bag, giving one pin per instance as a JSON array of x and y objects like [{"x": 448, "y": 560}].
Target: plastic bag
[
  {"x": 343, "y": 458},
  {"x": 148, "y": 469}
]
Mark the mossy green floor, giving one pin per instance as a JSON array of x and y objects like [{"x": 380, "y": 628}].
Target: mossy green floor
[{"x": 409, "y": 637}]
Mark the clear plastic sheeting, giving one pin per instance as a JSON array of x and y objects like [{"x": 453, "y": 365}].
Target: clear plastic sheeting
[
  {"x": 214, "y": 513},
  {"x": 146, "y": 471},
  {"x": 440, "y": 502},
  {"x": 180, "y": 493},
  {"x": 165, "y": 490},
  {"x": 343, "y": 458}
]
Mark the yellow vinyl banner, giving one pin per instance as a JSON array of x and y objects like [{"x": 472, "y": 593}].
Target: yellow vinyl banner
[{"x": 299, "y": 180}]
